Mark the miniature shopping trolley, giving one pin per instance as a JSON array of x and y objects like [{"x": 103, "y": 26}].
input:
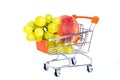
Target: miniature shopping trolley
[{"x": 79, "y": 47}]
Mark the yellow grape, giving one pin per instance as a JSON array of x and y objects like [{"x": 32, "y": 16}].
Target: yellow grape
[
  {"x": 40, "y": 21},
  {"x": 56, "y": 20},
  {"x": 51, "y": 44},
  {"x": 38, "y": 39},
  {"x": 59, "y": 49},
  {"x": 31, "y": 23},
  {"x": 28, "y": 29},
  {"x": 48, "y": 35},
  {"x": 30, "y": 37},
  {"x": 51, "y": 50},
  {"x": 60, "y": 45},
  {"x": 38, "y": 32},
  {"x": 48, "y": 18},
  {"x": 68, "y": 49},
  {"x": 52, "y": 28},
  {"x": 56, "y": 36}
]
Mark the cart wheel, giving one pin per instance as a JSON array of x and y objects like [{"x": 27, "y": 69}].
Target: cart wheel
[
  {"x": 73, "y": 61},
  {"x": 57, "y": 72},
  {"x": 46, "y": 66},
  {"x": 89, "y": 68}
]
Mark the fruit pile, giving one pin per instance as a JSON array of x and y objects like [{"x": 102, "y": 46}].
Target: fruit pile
[
  {"x": 46, "y": 27},
  {"x": 42, "y": 28}
]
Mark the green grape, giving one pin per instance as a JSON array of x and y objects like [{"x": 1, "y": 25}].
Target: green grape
[
  {"x": 51, "y": 50},
  {"x": 38, "y": 39},
  {"x": 28, "y": 29},
  {"x": 35, "y": 27},
  {"x": 60, "y": 49},
  {"x": 40, "y": 21},
  {"x": 38, "y": 32},
  {"x": 48, "y": 35},
  {"x": 56, "y": 36},
  {"x": 51, "y": 47},
  {"x": 31, "y": 23},
  {"x": 60, "y": 45},
  {"x": 56, "y": 20},
  {"x": 68, "y": 49},
  {"x": 30, "y": 37},
  {"x": 51, "y": 44},
  {"x": 53, "y": 28},
  {"x": 48, "y": 18}
]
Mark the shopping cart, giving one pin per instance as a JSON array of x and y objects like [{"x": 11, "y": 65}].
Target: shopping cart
[{"x": 81, "y": 45}]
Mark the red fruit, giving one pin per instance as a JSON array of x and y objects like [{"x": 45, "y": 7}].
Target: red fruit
[{"x": 68, "y": 26}]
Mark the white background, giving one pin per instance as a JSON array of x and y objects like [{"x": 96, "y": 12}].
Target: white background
[{"x": 19, "y": 59}]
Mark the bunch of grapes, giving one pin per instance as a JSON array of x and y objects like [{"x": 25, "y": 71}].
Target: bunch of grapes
[
  {"x": 43, "y": 27},
  {"x": 60, "y": 48}
]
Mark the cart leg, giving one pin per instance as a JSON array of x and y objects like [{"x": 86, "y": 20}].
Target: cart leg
[
  {"x": 89, "y": 68},
  {"x": 46, "y": 66},
  {"x": 73, "y": 60},
  {"x": 57, "y": 72}
]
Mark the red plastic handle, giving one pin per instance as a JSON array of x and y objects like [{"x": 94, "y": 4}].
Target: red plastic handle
[{"x": 94, "y": 19}]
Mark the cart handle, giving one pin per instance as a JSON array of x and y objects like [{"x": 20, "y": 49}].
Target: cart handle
[{"x": 95, "y": 19}]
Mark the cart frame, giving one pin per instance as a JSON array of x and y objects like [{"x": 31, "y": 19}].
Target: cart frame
[{"x": 86, "y": 38}]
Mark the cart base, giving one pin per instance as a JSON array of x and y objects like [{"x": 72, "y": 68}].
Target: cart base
[{"x": 71, "y": 63}]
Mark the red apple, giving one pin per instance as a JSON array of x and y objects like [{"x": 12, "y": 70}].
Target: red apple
[{"x": 68, "y": 25}]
